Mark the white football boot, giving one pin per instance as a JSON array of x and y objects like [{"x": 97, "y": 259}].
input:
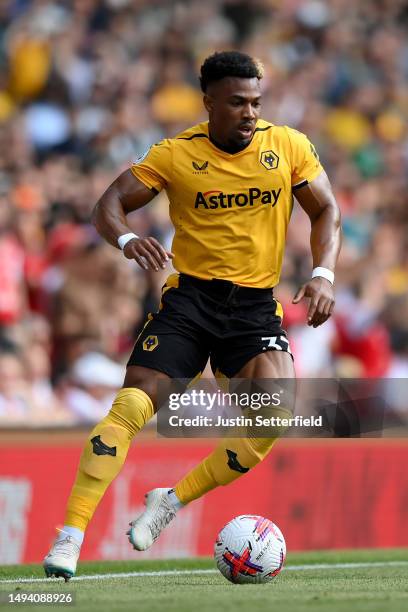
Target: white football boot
[
  {"x": 62, "y": 559},
  {"x": 149, "y": 525}
]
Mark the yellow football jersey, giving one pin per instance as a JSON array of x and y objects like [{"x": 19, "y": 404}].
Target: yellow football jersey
[{"x": 230, "y": 211}]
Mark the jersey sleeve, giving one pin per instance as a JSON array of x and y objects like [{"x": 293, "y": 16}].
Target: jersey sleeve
[
  {"x": 306, "y": 165},
  {"x": 154, "y": 167}
]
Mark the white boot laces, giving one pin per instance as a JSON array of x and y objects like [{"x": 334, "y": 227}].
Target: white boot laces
[{"x": 164, "y": 514}]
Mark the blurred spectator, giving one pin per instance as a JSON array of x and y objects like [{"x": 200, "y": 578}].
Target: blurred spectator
[
  {"x": 93, "y": 383},
  {"x": 14, "y": 392},
  {"x": 87, "y": 86},
  {"x": 26, "y": 395}
]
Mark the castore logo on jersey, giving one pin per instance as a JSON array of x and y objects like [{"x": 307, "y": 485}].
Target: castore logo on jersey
[{"x": 200, "y": 167}]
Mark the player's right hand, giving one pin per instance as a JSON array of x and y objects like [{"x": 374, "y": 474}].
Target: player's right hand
[
  {"x": 321, "y": 294},
  {"x": 148, "y": 253}
]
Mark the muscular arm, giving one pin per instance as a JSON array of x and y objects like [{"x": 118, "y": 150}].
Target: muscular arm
[
  {"x": 318, "y": 201},
  {"x": 123, "y": 196}
]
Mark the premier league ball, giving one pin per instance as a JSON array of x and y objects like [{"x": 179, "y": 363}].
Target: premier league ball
[{"x": 250, "y": 549}]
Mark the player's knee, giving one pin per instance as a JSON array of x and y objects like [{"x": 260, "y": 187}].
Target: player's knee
[
  {"x": 131, "y": 410},
  {"x": 149, "y": 387},
  {"x": 144, "y": 379},
  {"x": 269, "y": 422}
]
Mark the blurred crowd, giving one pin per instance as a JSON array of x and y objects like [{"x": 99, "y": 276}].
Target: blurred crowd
[{"x": 86, "y": 86}]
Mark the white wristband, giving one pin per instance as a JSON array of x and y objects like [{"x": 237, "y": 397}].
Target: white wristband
[
  {"x": 124, "y": 239},
  {"x": 324, "y": 273}
]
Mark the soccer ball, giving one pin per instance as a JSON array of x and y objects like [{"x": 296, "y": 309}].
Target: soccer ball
[{"x": 250, "y": 549}]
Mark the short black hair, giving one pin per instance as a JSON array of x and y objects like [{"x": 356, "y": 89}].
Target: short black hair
[{"x": 229, "y": 64}]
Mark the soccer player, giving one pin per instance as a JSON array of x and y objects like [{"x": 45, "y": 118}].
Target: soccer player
[{"x": 230, "y": 182}]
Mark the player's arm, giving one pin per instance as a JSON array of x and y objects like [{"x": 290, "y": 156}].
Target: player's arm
[
  {"x": 317, "y": 200},
  {"x": 123, "y": 196}
]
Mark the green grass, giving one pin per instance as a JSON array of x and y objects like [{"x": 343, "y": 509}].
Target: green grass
[{"x": 358, "y": 589}]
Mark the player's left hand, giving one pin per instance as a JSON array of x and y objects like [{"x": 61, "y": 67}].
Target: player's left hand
[{"x": 321, "y": 294}]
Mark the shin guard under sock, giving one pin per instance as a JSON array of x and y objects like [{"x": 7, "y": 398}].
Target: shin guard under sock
[{"x": 105, "y": 452}]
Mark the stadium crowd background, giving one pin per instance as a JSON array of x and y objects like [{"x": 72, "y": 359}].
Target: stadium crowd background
[{"x": 86, "y": 86}]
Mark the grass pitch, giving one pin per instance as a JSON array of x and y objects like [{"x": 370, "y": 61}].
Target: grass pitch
[{"x": 347, "y": 581}]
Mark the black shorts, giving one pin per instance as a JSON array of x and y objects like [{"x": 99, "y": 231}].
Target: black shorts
[{"x": 198, "y": 319}]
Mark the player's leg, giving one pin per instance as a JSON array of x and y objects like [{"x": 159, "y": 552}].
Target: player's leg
[
  {"x": 236, "y": 456},
  {"x": 108, "y": 444},
  {"x": 102, "y": 458}
]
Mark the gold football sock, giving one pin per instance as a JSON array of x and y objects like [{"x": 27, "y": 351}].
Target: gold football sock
[
  {"x": 105, "y": 452},
  {"x": 228, "y": 461}
]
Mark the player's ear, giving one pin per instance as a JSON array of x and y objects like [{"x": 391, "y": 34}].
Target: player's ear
[{"x": 208, "y": 103}]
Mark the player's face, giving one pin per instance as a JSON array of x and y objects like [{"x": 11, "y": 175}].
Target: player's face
[{"x": 233, "y": 105}]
